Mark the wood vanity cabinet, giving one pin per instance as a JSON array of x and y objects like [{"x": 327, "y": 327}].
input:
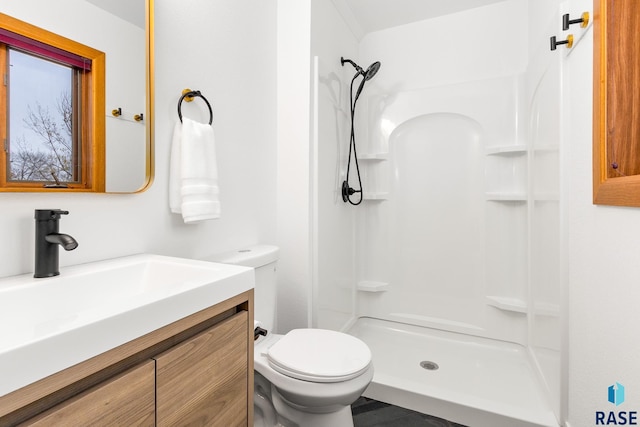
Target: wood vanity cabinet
[
  {"x": 125, "y": 400},
  {"x": 203, "y": 381},
  {"x": 197, "y": 371}
]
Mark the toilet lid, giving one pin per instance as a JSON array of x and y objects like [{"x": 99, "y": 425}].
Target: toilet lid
[{"x": 319, "y": 355}]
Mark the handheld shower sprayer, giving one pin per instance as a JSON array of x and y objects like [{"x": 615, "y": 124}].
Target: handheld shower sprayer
[{"x": 367, "y": 75}]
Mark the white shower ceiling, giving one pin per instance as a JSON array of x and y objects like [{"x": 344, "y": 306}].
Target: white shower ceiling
[{"x": 374, "y": 15}]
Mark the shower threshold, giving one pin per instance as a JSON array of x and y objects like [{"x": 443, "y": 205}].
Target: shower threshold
[{"x": 474, "y": 381}]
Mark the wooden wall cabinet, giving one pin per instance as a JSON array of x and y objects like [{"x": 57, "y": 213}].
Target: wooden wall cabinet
[
  {"x": 616, "y": 100},
  {"x": 196, "y": 371}
]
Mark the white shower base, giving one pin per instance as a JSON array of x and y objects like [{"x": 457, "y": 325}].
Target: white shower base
[{"x": 480, "y": 382}]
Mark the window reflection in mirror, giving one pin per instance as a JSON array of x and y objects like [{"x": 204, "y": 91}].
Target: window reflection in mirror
[
  {"x": 41, "y": 143},
  {"x": 52, "y": 124}
]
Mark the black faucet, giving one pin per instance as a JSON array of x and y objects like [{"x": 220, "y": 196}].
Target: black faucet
[{"x": 47, "y": 241}]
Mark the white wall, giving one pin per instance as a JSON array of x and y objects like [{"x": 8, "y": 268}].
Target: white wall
[
  {"x": 226, "y": 49},
  {"x": 293, "y": 183},
  {"x": 604, "y": 248}
]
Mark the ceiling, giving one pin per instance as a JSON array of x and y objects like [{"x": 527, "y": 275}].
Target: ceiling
[
  {"x": 132, "y": 11},
  {"x": 365, "y": 16}
]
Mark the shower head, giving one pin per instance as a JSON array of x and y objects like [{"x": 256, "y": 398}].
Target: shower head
[
  {"x": 371, "y": 71},
  {"x": 368, "y": 75}
]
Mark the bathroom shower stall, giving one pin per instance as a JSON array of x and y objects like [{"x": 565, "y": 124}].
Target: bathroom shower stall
[{"x": 451, "y": 269}]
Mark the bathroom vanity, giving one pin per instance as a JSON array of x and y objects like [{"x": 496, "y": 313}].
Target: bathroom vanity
[{"x": 196, "y": 370}]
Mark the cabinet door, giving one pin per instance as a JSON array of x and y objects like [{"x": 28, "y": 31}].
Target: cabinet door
[
  {"x": 127, "y": 399},
  {"x": 203, "y": 381}
]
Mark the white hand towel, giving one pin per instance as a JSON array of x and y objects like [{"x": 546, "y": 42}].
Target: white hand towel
[
  {"x": 193, "y": 188},
  {"x": 174, "y": 170}
]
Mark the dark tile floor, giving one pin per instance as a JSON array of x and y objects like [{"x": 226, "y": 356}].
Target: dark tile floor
[{"x": 371, "y": 413}]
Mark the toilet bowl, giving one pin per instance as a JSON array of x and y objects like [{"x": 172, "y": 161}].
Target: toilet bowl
[
  {"x": 305, "y": 390},
  {"x": 307, "y": 377}
]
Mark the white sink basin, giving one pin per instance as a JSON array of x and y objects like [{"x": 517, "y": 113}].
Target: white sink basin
[{"x": 47, "y": 325}]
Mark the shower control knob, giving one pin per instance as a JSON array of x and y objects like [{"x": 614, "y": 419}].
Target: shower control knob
[{"x": 347, "y": 191}]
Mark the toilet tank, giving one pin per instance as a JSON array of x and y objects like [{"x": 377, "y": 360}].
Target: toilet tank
[{"x": 263, "y": 258}]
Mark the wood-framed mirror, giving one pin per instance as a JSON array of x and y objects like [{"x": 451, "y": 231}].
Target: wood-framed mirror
[
  {"x": 119, "y": 154},
  {"x": 616, "y": 103}
]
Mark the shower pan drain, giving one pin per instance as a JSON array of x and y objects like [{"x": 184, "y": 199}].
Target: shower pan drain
[{"x": 429, "y": 365}]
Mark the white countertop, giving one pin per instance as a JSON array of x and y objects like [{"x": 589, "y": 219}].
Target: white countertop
[{"x": 47, "y": 325}]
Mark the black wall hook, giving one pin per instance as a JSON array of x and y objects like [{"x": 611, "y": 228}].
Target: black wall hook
[
  {"x": 568, "y": 42},
  {"x": 583, "y": 21},
  {"x": 192, "y": 94}
]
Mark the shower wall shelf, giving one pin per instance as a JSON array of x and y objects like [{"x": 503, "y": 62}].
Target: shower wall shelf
[
  {"x": 507, "y": 194},
  {"x": 515, "y": 305},
  {"x": 506, "y": 150},
  {"x": 372, "y": 286}
]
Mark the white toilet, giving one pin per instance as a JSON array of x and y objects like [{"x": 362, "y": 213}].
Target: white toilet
[{"x": 308, "y": 377}]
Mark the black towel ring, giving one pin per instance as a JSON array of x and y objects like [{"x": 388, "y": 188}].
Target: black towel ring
[{"x": 192, "y": 94}]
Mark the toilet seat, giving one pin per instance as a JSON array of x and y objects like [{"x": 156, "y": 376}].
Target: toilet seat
[{"x": 319, "y": 355}]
